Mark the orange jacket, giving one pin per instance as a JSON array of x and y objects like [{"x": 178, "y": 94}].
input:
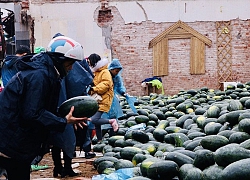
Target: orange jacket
[{"x": 103, "y": 86}]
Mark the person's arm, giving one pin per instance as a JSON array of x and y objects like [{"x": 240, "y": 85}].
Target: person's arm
[
  {"x": 119, "y": 86},
  {"x": 35, "y": 92},
  {"x": 85, "y": 65}
]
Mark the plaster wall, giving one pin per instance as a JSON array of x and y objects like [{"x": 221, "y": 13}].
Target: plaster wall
[
  {"x": 9, "y": 6},
  {"x": 76, "y": 19},
  {"x": 71, "y": 19},
  {"x": 135, "y": 23},
  {"x": 187, "y": 11}
]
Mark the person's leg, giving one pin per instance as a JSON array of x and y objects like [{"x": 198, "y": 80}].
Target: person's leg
[
  {"x": 111, "y": 132},
  {"x": 67, "y": 170},
  {"x": 90, "y": 132},
  {"x": 98, "y": 132},
  {"x": 56, "y": 157},
  {"x": 98, "y": 121},
  {"x": 80, "y": 134},
  {"x": 87, "y": 146},
  {"x": 15, "y": 169},
  {"x": 43, "y": 150}
]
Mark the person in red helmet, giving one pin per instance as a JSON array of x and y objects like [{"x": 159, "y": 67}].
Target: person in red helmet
[
  {"x": 29, "y": 105},
  {"x": 74, "y": 84}
]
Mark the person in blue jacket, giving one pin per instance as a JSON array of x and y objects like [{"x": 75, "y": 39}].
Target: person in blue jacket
[
  {"x": 115, "y": 69},
  {"x": 74, "y": 84},
  {"x": 29, "y": 105},
  {"x": 84, "y": 135},
  {"x": 9, "y": 66}
]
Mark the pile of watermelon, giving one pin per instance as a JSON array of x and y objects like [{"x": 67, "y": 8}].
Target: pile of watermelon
[{"x": 198, "y": 134}]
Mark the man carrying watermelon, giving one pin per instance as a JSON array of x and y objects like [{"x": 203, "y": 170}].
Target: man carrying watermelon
[
  {"x": 29, "y": 105},
  {"x": 72, "y": 85},
  {"x": 103, "y": 91}
]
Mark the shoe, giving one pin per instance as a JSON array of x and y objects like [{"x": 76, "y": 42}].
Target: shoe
[
  {"x": 57, "y": 171},
  {"x": 114, "y": 124},
  {"x": 90, "y": 155},
  {"x": 68, "y": 172}
]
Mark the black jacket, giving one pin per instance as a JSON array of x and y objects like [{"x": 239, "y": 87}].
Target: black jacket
[{"x": 28, "y": 108}]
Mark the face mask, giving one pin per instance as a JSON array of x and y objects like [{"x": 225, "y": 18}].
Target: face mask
[{"x": 58, "y": 59}]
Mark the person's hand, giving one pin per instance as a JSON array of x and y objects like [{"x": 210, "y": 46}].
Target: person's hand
[
  {"x": 90, "y": 90},
  {"x": 80, "y": 125},
  {"x": 73, "y": 120}
]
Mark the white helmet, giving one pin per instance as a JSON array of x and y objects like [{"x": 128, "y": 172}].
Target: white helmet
[{"x": 67, "y": 46}]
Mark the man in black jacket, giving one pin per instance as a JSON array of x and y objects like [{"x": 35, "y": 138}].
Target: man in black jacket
[
  {"x": 29, "y": 105},
  {"x": 9, "y": 68}
]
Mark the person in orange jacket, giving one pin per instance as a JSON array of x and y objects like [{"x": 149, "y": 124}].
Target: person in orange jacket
[{"x": 102, "y": 89}]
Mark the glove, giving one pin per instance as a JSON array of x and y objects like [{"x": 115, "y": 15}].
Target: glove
[
  {"x": 97, "y": 97},
  {"x": 124, "y": 94}
]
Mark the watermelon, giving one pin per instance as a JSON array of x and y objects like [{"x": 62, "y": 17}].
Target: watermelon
[
  {"x": 212, "y": 172},
  {"x": 237, "y": 170},
  {"x": 123, "y": 163},
  {"x": 103, "y": 165},
  {"x": 163, "y": 170},
  {"x": 230, "y": 153},
  {"x": 203, "y": 159},
  {"x": 179, "y": 158},
  {"x": 85, "y": 106},
  {"x": 129, "y": 152},
  {"x": 213, "y": 142}
]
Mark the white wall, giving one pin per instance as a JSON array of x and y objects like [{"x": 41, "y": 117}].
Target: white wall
[
  {"x": 9, "y": 6},
  {"x": 187, "y": 11},
  {"x": 76, "y": 19},
  {"x": 71, "y": 19}
]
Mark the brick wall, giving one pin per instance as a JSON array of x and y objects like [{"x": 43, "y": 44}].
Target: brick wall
[
  {"x": 241, "y": 49},
  {"x": 130, "y": 44}
]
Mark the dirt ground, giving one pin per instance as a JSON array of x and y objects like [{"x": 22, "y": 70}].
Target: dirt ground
[
  {"x": 84, "y": 166},
  {"x": 80, "y": 165}
]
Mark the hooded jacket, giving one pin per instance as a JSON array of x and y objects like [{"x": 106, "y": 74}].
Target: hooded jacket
[
  {"x": 119, "y": 87},
  {"x": 28, "y": 108},
  {"x": 9, "y": 68},
  {"x": 115, "y": 110},
  {"x": 103, "y": 84},
  {"x": 74, "y": 84}
]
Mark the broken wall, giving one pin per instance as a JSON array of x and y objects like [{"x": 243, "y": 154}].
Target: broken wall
[{"x": 123, "y": 29}]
